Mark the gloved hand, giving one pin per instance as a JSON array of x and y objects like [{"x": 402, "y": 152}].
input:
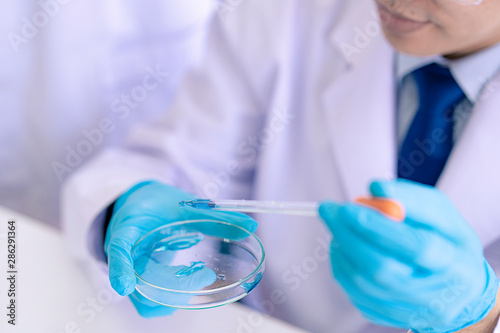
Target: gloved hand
[
  {"x": 427, "y": 273},
  {"x": 145, "y": 207}
]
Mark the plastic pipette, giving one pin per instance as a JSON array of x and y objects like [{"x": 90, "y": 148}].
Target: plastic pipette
[
  {"x": 388, "y": 207},
  {"x": 254, "y": 206}
]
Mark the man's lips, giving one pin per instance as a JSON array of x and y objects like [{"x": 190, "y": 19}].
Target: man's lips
[{"x": 396, "y": 23}]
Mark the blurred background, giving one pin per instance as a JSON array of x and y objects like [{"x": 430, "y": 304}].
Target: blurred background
[{"x": 75, "y": 75}]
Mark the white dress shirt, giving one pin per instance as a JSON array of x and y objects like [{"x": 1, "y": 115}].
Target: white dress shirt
[{"x": 472, "y": 74}]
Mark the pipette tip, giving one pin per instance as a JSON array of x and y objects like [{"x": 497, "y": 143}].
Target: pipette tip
[
  {"x": 198, "y": 203},
  {"x": 186, "y": 203}
]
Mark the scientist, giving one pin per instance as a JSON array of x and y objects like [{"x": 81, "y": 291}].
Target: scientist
[{"x": 328, "y": 101}]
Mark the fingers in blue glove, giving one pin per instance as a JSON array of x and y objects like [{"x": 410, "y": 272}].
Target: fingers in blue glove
[
  {"x": 437, "y": 218},
  {"x": 399, "y": 240},
  {"x": 118, "y": 248},
  {"x": 121, "y": 271},
  {"x": 360, "y": 297},
  {"x": 147, "y": 308}
]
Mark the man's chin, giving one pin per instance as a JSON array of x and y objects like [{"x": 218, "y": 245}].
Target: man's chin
[{"x": 415, "y": 47}]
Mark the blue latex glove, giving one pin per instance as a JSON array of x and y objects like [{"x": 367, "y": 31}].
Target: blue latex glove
[
  {"x": 145, "y": 207},
  {"x": 427, "y": 273}
]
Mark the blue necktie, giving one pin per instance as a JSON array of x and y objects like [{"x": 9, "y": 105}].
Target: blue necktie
[{"x": 429, "y": 140}]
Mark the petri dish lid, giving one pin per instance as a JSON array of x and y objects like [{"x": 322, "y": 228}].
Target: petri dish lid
[{"x": 198, "y": 264}]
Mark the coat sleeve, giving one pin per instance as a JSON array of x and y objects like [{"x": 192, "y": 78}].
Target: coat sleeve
[{"x": 207, "y": 142}]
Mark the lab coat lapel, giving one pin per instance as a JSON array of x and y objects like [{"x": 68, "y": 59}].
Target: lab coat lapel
[
  {"x": 471, "y": 177},
  {"x": 360, "y": 112}
]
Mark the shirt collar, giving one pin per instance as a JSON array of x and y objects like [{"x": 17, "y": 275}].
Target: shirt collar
[{"x": 472, "y": 73}]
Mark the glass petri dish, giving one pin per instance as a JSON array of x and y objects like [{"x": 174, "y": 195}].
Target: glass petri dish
[{"x": 197, "y": 264}]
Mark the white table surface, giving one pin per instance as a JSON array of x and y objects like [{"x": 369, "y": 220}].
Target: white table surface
[{"x": 55, "y": 295}]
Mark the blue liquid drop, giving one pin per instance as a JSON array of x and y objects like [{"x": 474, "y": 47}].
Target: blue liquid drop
[
  {"x": 180, "y": 242},
  {"x": 249, "y": 286},
  {"x": 185, "y": 271}
]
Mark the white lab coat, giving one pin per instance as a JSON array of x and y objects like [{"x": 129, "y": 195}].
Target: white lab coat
[
  {"x": 63, "y": 65},
  {"x": 313, "y": 82}
]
